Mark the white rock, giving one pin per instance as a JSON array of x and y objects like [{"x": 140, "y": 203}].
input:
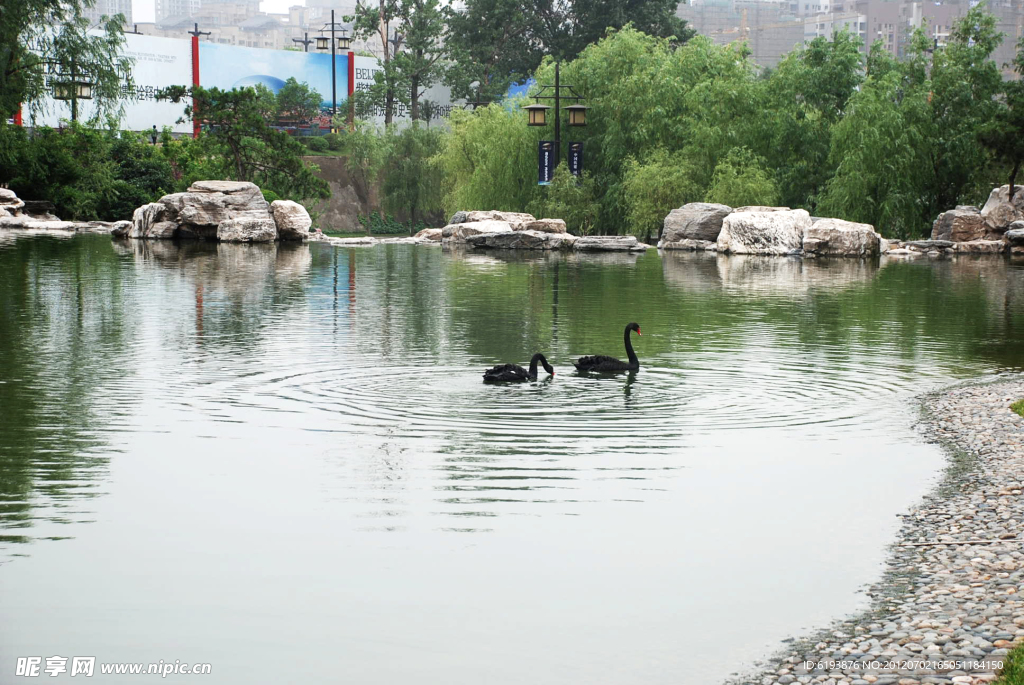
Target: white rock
[
  {"x": 292, "y": 220},
  {"x": 835, "y": 237},
  {"x": 246, "y": 230},
  {"x": 457, "y": 233},
  {"x": 609, "y": 243},
  {"x": 764, "y": 232}
]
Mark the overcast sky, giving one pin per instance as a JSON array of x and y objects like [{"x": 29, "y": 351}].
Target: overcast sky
[{"x": 142, "y": 10}]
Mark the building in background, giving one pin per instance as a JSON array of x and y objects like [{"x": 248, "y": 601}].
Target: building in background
[
  {"x": 109, "y": 8},
  {"x": 772, "y": 28},
  {"x": 241, "y": 23},
  {"x": 174, "y": 8}
]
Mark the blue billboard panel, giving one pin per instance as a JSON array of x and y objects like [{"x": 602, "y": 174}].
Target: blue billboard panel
[{"x": 229, "y": 66}]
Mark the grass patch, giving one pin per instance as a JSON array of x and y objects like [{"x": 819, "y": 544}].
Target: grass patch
[
  {"x": 1013, "y": 666},
  {"x": 337, "y": 234},
  {"x": 1018, "y": 407},
  {"x": 315, "y": 153}
]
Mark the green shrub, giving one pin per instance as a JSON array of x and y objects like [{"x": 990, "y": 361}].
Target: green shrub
[
  {"x": 1018, "y": 407},
  {"x": 334, "y": 141},
  {"x": 742, "y": 179},
  {"x": 86, "y": 173},
  {"x": 317, "y": 144},
  {"x": 1013, "y": 664},
  {"x": 380, "y": 224},
  {"x": 270, "y": 195}
]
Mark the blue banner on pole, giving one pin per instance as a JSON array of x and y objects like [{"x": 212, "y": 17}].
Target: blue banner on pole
[
  {"x": 545, "y": 162},
  {"x": 576, "y": 158}
]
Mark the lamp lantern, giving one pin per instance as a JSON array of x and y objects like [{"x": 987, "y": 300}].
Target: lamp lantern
[
  {"x": 323, "y": 43},
  {"x": 577, "y": 115},
  {"x": 538, "y": 114}
]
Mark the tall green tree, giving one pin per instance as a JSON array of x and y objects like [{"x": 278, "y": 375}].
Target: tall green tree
[
  {"x": 965, "y": 83},
  {"x": 411, "y": 184},
  {"x": 1003, "y": 135},
  {"x": 375, "y": 18},
  {"x": 498, "y": 42},
  {"x": 43, "y": 42},
  {"x": 297, "y": 101},
  {"x": 422, "y": 25},
  {"x": 238, "y": 139},
  {"x": 491, "y": 47},
  {"x": 412, "y": 32}
]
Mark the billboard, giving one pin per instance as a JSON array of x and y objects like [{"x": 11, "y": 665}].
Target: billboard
[
  {"x": 437, "y": 98},
  {"x": 159, "y": 63},
  {"x": 228, "y": 66},
  {"x": 163, "y": 62}
]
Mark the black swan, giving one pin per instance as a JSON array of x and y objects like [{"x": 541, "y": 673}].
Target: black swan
[
  {"x": 602, "y": 364},
  {"x": 513, "y": 373}
]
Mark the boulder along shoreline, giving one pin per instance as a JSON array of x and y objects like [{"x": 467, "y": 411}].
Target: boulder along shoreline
[{"x": 948, "y": 607}]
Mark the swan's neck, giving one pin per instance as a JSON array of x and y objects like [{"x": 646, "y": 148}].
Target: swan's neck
[
  {"x": 533, "y": 365},
  {"x": 633, "y": 361}
]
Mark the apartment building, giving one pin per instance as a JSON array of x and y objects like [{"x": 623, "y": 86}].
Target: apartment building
[{"x": 772, "y": 27}]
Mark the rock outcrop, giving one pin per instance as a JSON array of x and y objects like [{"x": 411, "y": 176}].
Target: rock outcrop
[
  {"x": 962, "y": 224},
  {"x": 228, "y": 211},
  {"x": 542, "y": 225},
  {"x": 690, "y": 245},
  {"x": 696, "y": 221},
  {"x": 455, "y": 234},
  {"x": 778, "y": 232},
  {"x": 981, "y": 247},
  {"x": 247, "y": 229},
  {"x": 1015, "y": 237},
  {"x": 838, "y": 238},
  {"x": 292, "y": 220},
  {"x": 999, "y": 211},
  {"x": 522, "y": 240},
  {"x": 433, "y": 234},
  {"x": 609, "y": 243},
  {"x": 10, "y": 204}
]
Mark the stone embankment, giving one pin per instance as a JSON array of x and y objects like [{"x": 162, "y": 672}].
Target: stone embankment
[
  {"x": 16, "y": 213},
  {"x": 949, "y": 606},
  {"x": 996, "y": 228},
  {"x": 518, "y": 231}
]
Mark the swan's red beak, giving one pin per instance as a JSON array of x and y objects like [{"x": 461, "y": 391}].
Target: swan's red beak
[{"x": 638, "y": 331}]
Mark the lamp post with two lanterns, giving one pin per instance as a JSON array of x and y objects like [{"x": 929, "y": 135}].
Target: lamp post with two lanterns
[
  {"x": 344, "y": 43},
  {"x": 577, "y": 112},
  {"x": 74, "y": 88}
]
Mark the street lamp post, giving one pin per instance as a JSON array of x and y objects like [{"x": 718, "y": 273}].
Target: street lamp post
[
  {"x": 305, "y": 41},
  {"x": 74, "y": 89},
  {"x": 342, "y": 42},
  {"x": 538, "y": 112}
]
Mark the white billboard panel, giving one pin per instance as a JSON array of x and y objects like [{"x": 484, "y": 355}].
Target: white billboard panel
[
  {"x": 438, "y": 97},
  {"x": 159, "y": 63}
]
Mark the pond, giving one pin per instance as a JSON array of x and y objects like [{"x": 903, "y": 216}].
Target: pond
[{"x": 282, "y": 460}]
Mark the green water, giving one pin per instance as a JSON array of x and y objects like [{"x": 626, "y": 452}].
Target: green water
[{"x": 282, "y": 460}]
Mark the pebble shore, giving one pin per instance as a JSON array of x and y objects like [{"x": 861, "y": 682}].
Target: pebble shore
[{"x": 949, "y": 606}]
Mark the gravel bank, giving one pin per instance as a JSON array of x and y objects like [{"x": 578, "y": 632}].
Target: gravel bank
[{"x": 949, "y": 606}]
